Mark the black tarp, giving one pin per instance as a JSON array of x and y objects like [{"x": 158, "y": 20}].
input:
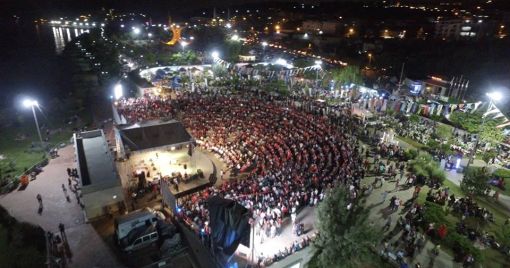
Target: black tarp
[{"x": 229, "y": 224}]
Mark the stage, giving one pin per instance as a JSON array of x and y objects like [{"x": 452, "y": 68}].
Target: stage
[{"x": 159, "y": 163}]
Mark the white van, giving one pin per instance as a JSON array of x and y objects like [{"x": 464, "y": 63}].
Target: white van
[
  {"x": 126, "y": 223},
  {"x": 139, "y": 238}
]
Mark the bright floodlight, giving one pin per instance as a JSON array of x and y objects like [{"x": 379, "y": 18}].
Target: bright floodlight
[
  {"x": 228, "y": 25},
  {"x": 215, "y": 55},
  {"x": 235, "y": 37},
  {"x": 117, "y": 91},
  {"x": 264, "y": 44},
  {"x": 136, "y": 30},
  {"x": 184, "y": 44},
  {"x": 495, "y": 96},
  {"x": 318, "y": 62},
  {"x": 281, "y": 61},
  {"x": 149, "y": 34},
  {"x": 29, "y": 103}
]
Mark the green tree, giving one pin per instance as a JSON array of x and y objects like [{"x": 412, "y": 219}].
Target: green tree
[
  {"x": 234, "y": 49},
  {"x": 219, "y": 70},
  {"x": 475, "y": 181},
  {"x": 423, "y": 166},
  {"x": 345, "y": 237},
  {"x": 474, "y": 123},
  {"x": 467, "y": 121},
  {"x": 344, "y": 76},
  {"x": 183, "y": 58},
  {"x": 490, "y": 133},
  {"x": 303, "y": 62}
]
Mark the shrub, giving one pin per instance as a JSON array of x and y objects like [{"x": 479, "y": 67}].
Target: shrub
[
  {"x": 410, "y": 154},
  {"x": 502, "y": 172},
  {"x": 424, "y": 167},
  {"x": 475, "y": 181},
  {"x": 434, "y": 213},
  {"x": 437, "y": 174},
  {"x": 462, "y": 246}
]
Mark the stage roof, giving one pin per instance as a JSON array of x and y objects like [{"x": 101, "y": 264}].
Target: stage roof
[
  {"x": 95, "y": 162},
  {"x": 153, "y": 134}
]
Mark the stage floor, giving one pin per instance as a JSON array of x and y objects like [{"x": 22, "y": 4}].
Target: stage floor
[{"x": 166, "y": 162}]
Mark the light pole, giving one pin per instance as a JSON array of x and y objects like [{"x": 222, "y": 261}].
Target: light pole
[
  {"x": 369, "y": 59},
  {"x": 118, "y": 91},
  {"x": 28, "y": 103},
  {"x": 183, "y": 45},
  {"x": 493, "y": 96},
  {"x": 318, "y": 66},
  {"x": 264, "y": 45},
  {"x": 215, "y": 55}
]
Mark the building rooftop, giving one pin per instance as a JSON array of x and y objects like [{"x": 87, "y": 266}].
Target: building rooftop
[
  {"x": 152, "y": 134},
  {"x": 95, "y": 161}
]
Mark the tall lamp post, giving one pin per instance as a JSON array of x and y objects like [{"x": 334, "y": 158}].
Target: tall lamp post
[
  {"x": 493, "y": 96},
  {"x": 183, "y": 45},
  {"x": 29, "y": 103},
  {"x": 318, "y": 66},
  {"x": 264, "y": 45}
]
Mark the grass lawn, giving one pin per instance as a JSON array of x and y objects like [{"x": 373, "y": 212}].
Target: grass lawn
[
  {"x": 412, "y": 142},
  {"x": 19, "y": 155}
]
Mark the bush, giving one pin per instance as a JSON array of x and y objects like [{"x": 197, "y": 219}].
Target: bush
[
  {"x": 475, "y": 181},
  {"x": 410, "y": 154},
  {"x": 502, "y": 172},
  {"x": 462, "y": 246},
  {"x": 434, "y": 213},
  {"x": 424, "y": 167}
]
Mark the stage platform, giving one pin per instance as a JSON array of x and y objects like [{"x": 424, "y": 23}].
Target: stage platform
[{"x": 166, "y": 163}]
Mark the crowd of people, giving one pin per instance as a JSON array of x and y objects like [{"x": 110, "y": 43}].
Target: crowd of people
[
  {"x": 290, "y": 157},
  {"x": 147, "y": 107}
]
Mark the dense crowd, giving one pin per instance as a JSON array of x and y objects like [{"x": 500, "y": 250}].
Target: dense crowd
[
  {"x": 148, "y": 107},
  {"x": 290, "y": 157}
]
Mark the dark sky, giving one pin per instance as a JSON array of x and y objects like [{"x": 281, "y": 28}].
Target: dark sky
[{"x": 62, "y": 7}]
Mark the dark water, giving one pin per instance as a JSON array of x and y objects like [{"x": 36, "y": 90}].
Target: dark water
[{"x": 29, "y": 64}]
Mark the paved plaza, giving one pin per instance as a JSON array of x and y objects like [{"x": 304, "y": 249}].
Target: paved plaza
[{"x": 87, "y": 248}]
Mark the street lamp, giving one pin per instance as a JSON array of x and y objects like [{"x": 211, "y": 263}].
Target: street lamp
[
  {"x": 493, "y": 96},
  {"x": 318, "y": 64},
  {"x": 235, "y": 37},
  {"x": 118, "y": 91},
  {"x": 136, "y": 30},
  {"x": 215, "y": 55},
  {"x": 264, "y": 45},
  {"x": 29, "y": 103},
  {"x": 183, "y": 45},
  {"x": 369, "y": 59}
]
